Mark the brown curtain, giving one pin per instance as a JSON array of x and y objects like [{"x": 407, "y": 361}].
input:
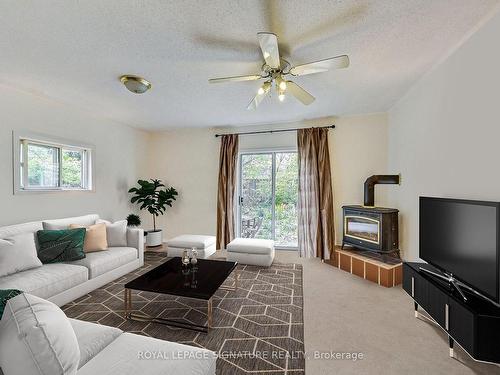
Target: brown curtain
[
  {"x": 225, "y": 194},
  {"x": 315, "y": 208}
]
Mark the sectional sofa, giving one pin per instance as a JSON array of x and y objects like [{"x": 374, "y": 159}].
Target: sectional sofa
[
  {"x": 99, "y": 349},
  {"x": 61, "y": 283}
]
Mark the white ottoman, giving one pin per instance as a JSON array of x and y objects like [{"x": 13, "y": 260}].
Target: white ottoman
[
  {"x": 204, "y": 245},
  {"x": 252, "y": 251}
]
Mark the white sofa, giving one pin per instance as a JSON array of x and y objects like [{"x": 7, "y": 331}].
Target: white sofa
[
  {"x": 119, "y": 353},
  {"x": 61, "y": 283},
  {"x": 103, "y": 350},
  {"x": 37, "y": 338}
]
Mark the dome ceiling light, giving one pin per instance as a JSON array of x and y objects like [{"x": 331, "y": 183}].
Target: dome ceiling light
[{"x": 135, "y": 84}]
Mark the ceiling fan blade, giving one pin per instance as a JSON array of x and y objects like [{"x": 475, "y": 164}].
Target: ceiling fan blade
[
  {"x": 254, "y": 103},
  {"x": 261, "y": 94},
  {"x": 301, "y": 94},
  {"x": 337, "y": 62},
  {"x": 254, "y": 77},
  {"x": 269, "y": 46}
]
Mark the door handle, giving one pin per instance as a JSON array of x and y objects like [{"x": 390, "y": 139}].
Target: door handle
[{"x": 241, "y": 200}]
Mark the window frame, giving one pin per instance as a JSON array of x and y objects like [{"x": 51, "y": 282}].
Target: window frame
[{"x": 20, "y": 141}]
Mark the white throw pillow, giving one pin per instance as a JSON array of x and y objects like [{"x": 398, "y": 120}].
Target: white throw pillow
[
  {"x": 37, "y": 338},
  {"x": 18, "y": 253},
  {"x": 116, "y": 233}
]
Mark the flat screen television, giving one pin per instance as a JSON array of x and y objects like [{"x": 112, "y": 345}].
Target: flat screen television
[{"x": 460, "y": 237}]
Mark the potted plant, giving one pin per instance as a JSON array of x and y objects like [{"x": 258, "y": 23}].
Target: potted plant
[
  {"x": 154, "y": 197},
  {"x": 133, "y": 220}
]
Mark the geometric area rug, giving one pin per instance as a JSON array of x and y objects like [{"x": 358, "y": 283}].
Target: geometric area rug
[{"x": 257, "y": 329}]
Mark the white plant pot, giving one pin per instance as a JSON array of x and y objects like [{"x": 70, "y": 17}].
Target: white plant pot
[{"x": 154, "y": 238}]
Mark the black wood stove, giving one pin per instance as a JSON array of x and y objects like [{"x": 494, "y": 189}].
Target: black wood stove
[{"x": 372, "y": 228}]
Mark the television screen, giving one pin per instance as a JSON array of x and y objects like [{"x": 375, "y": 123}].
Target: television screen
[{"x": 460, "y": 237}]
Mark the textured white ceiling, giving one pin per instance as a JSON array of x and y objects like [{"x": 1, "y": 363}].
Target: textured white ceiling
[{"x": 74, "y": 51}]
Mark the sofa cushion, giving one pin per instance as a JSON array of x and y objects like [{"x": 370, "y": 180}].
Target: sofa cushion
[
  {"x": 37, "y": 338},
  {"x": 116, "y": 232},
  {"x": 250, "y": 246},
  {"x": 60, "y": 245},
  {"x": 188, "y": 241},
  {"x": 46, "y": 281},
  {"x": 95, "y": 237},
  {"x": 130, "y": 354},
  {"x": 18, "y": 253},
  {"x": 92, "y": 338},
  {"x": 101, "y": 262},
  {"x": 58, "y": 224}
]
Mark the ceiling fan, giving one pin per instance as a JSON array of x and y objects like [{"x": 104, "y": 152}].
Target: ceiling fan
[{"x": 275, "y": 69}]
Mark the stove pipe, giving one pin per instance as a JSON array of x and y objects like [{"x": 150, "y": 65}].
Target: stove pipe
[{"x": 374, "y": 180}]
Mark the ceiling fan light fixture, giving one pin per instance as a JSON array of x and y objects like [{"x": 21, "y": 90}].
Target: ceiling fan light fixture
[
  {"x": 281, "y": 83},
  {"x": 279, "y": 88},
  {"x": 135, "y": 84},
  {"x": 275, "y": 69},
  {"x": 264, "y": 89},
  {"x": 281, "y": 94}
]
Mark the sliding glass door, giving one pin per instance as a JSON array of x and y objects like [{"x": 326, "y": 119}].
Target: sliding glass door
[
  {"x": 268, "y": 193},
  {"x": 286, "y": 195}
]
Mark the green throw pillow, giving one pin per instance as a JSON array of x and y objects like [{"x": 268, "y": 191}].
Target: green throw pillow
[
  {"x": 5, "y": 295},
  {"x": 60, "y": 245}
]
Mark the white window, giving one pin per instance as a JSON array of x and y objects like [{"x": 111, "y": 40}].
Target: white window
[{"x": 48, "y": 164}]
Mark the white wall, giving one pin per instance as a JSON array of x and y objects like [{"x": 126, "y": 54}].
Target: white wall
[
  {"x": 120, "y": 159},
  {"x": 188, "y": 160},
  {"x": 444, "y": 134},
  {"x": 358, "y": 149}
]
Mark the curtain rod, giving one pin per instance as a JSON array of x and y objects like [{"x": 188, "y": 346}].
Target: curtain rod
[{"x": 274, "y": 131}]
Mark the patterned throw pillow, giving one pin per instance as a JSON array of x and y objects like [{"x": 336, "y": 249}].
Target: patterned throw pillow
[
  {"x": 60, "y": 245},
  {"x": 5, "y": 295}
]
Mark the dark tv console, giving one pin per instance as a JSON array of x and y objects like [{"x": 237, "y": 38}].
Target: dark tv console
[{"x": 473, "y": 324}]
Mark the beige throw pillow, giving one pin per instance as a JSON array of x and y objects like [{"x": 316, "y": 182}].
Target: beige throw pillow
[{"x": 95, "y": 237}]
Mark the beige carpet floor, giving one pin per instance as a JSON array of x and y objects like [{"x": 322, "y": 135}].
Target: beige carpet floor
[{"x": 344, "y": 313}]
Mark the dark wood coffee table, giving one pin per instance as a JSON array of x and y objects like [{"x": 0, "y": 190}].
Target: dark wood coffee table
[{"x": 198, "y": 282}]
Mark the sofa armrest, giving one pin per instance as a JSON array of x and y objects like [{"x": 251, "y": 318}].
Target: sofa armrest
[{"x": 135, "y": 239}]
